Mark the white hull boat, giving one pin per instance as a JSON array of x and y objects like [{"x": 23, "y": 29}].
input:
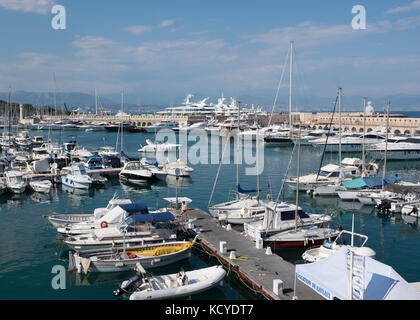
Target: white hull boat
[
  {"x": 153, "y": 147},
  {"x": 134, "y": 172},
  {"x": 77, "y": 178},
  {"x": 15, "y": 182},
  {"x": 42, "y": 186},
  {"x": 171, "y": 286},
  {"x": 128, "y": 259}
]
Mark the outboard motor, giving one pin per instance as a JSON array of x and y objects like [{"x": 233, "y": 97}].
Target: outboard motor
[
  {"x": 129, "y": 286},
  {"x": 385, "y": 205}
]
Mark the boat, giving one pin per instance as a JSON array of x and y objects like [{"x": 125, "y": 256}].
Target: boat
[
  {"x": 154, "y": 147},
  {"x": 94, "y": 162},
  {"x": 156, "y": 170},
  {"x": 301, "y": 238},
  {"x": 77, "y": 178},
  {"x": 350, "y": 143},
  {"x": 116, "y": 211},
  {"x": 40, "y": 185},
  {"x": 280, "y": 217},
  {"x": 62, "y": 220},
  {"x": 398, "y": 148},
  {"x": 330, "y": 247},
  {"x": 164, "y": 124},
  {"x": 181, "y": 284},
  {"x": 3, "y": 186},
  {"x": 15, "y": 181},
  {"x": 128, "y": 259},
  {"x": 134, "y": 172},
  {"x": 171, "y": 169},
  {"x": 98, "y": 180},
  {"x": 139, "y": 229}
]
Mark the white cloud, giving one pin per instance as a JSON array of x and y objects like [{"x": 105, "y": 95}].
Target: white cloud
[
  {"x": 415, "y": 5},
  {"x": 166, "y": 23},
  {"x": 34, "y": 6},
  {"x": 138, "y": 29}
]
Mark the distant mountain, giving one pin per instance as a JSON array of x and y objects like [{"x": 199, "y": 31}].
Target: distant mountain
[{"x": 136, "y": 103}]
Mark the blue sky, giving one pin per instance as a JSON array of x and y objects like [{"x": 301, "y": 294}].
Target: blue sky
[{"x": 165, "y": 49}]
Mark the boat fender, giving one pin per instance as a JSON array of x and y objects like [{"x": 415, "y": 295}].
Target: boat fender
[{"x": 104, "y": 224}]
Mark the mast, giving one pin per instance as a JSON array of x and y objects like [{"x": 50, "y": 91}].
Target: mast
[
  {"x": 258, "y": 170},
  {"x": 340, "y": 92},
  {"x": 96, "y": 102},
  {"x": 364, "y": 138},
  {"x": 238, "y": 136},
  {"x": 121, "y": 122},
  {"x": 386, "y": 144},
  {"x": 297, "y": 182},
  {"x": 290, "y": 87}
]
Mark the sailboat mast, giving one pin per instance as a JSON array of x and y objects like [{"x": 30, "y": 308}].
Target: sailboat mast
[
  {"x": 238, "y": 136},
  {"x": 96, "y": 102},
  {"x": 290, "y": 86},
  {"x": 364, "y": 138},
  {"x": 121, "y": 122},
  {"x": 386, "y": 143},
  {"x": 340, "y": 92},
  {"x": 297, "y": 181},
  {"x": 258, "y": 166},
  {"x": 9, "y": 111}
]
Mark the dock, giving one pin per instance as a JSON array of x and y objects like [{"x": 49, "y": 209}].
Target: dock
[
  {"x": 253, "y": 266},
  {"x": 107, "y": 172}
]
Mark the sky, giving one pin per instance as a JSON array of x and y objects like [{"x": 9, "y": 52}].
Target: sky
[{"x": 158, "y": 51}]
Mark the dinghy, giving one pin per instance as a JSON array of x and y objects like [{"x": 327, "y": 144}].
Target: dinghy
[{"x": 182, "y": 284}]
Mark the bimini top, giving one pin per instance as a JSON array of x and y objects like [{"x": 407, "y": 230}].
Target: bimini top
[
  {"x": 131, "y": 208},
  {"x": 369, "y": 182},
  {"x": 151, "y": 217}
]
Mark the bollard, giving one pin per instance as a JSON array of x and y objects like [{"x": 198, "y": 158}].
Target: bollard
[
  {"x": 198, "y": 230},
  {"x": 278, "y": 287},
  {"x": 229, "y": 227},
  {"x": 191, "y": 226},
  {"x": 223, "y": 247},
  {"x": 259, "y": 243},
  {"x": 232, "y": 255},
  {"x": 268, "y": 252}
]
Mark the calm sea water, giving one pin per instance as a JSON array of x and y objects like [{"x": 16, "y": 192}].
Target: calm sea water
[{"x": 29, "y": 248}]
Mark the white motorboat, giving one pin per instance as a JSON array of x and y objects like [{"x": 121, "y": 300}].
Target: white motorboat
[
  {"x": 182, "y": 284},
  {"x": 77, "y": 178},
  {"x": 164, "y": 124},
  {"x": 398, "y": 148},
  {"x": 15, "y": 181},
  {"x": 301, "y": 237},
  {"x": 134, "y": 172},
  {"x": 159, "y": 147},
  {"x": 98, "y": 180},
  {"x": 172, "y": 168},
  {"x": 64, "y": 220},
  {"x": 116, "y": 212},
  {"x": 3, "y": 186},
  {"x": 108, "y": 151},
  {"x": 330, "y": 247},
  {"x": 43, "y": 186},
  {"x": 156, "y": 170},
  {"x": 349, "y": 143},
  {"x": 139, "y": 229},
  {"x": 281, "y": 217}
]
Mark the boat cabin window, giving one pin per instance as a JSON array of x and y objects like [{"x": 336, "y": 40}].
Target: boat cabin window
[
  {"x": 290, "y": 215},
  {"x": 134, "y": 166},
  {"x": 323, "y": 173},
  {"x": 334, "y": 175}
]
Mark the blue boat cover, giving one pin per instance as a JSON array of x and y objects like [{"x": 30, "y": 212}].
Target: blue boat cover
[
  {"x": 94, "y": 156},
  {"x": 132, "y": 208},
  {"x": 151, "y": 217},
  {"x": 153, "y": 164},
  {"x": 369, "y": 182}
]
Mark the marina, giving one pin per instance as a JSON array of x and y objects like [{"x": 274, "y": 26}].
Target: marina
[{"x": 184, "y": 160}]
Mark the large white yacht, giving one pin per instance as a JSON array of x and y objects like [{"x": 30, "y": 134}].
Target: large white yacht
[{"x": 398, "y": 148}]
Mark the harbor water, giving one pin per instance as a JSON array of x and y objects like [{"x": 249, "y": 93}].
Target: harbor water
[{"x": 29, "y": 248}]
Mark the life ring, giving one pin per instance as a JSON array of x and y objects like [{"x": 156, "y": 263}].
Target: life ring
[
  {"x": 130, "y": 255},
  {"x": 104, "y": 224}
]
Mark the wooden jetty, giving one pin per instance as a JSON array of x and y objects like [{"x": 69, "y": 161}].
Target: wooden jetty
[{"x": 253, "y": 266}]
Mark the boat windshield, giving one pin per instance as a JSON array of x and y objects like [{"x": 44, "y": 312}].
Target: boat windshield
[
  {"x": 290, "y": 215},
  {"x": 324, "y": 173},
  {"x": 134, "y": 166}
]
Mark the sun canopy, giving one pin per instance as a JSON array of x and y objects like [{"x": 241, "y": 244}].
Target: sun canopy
[
  {"x": 368, "y": 182},
  {"x": 138, "y": 208},
  {"x": 151, "y": 217},
  {"x": 330, "y": 278},
  {"x": 240, "y": 190}
]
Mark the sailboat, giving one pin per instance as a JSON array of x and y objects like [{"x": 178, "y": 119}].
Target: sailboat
[
  {"x": 300, "y": 237},
  {"x": 244, "y": 208}
]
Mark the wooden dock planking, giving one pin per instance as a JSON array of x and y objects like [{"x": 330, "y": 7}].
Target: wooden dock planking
[{"x": 256, "y": 268}]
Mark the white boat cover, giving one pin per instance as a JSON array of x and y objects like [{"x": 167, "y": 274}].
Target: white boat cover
[{"x": 330, "y": 278}]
